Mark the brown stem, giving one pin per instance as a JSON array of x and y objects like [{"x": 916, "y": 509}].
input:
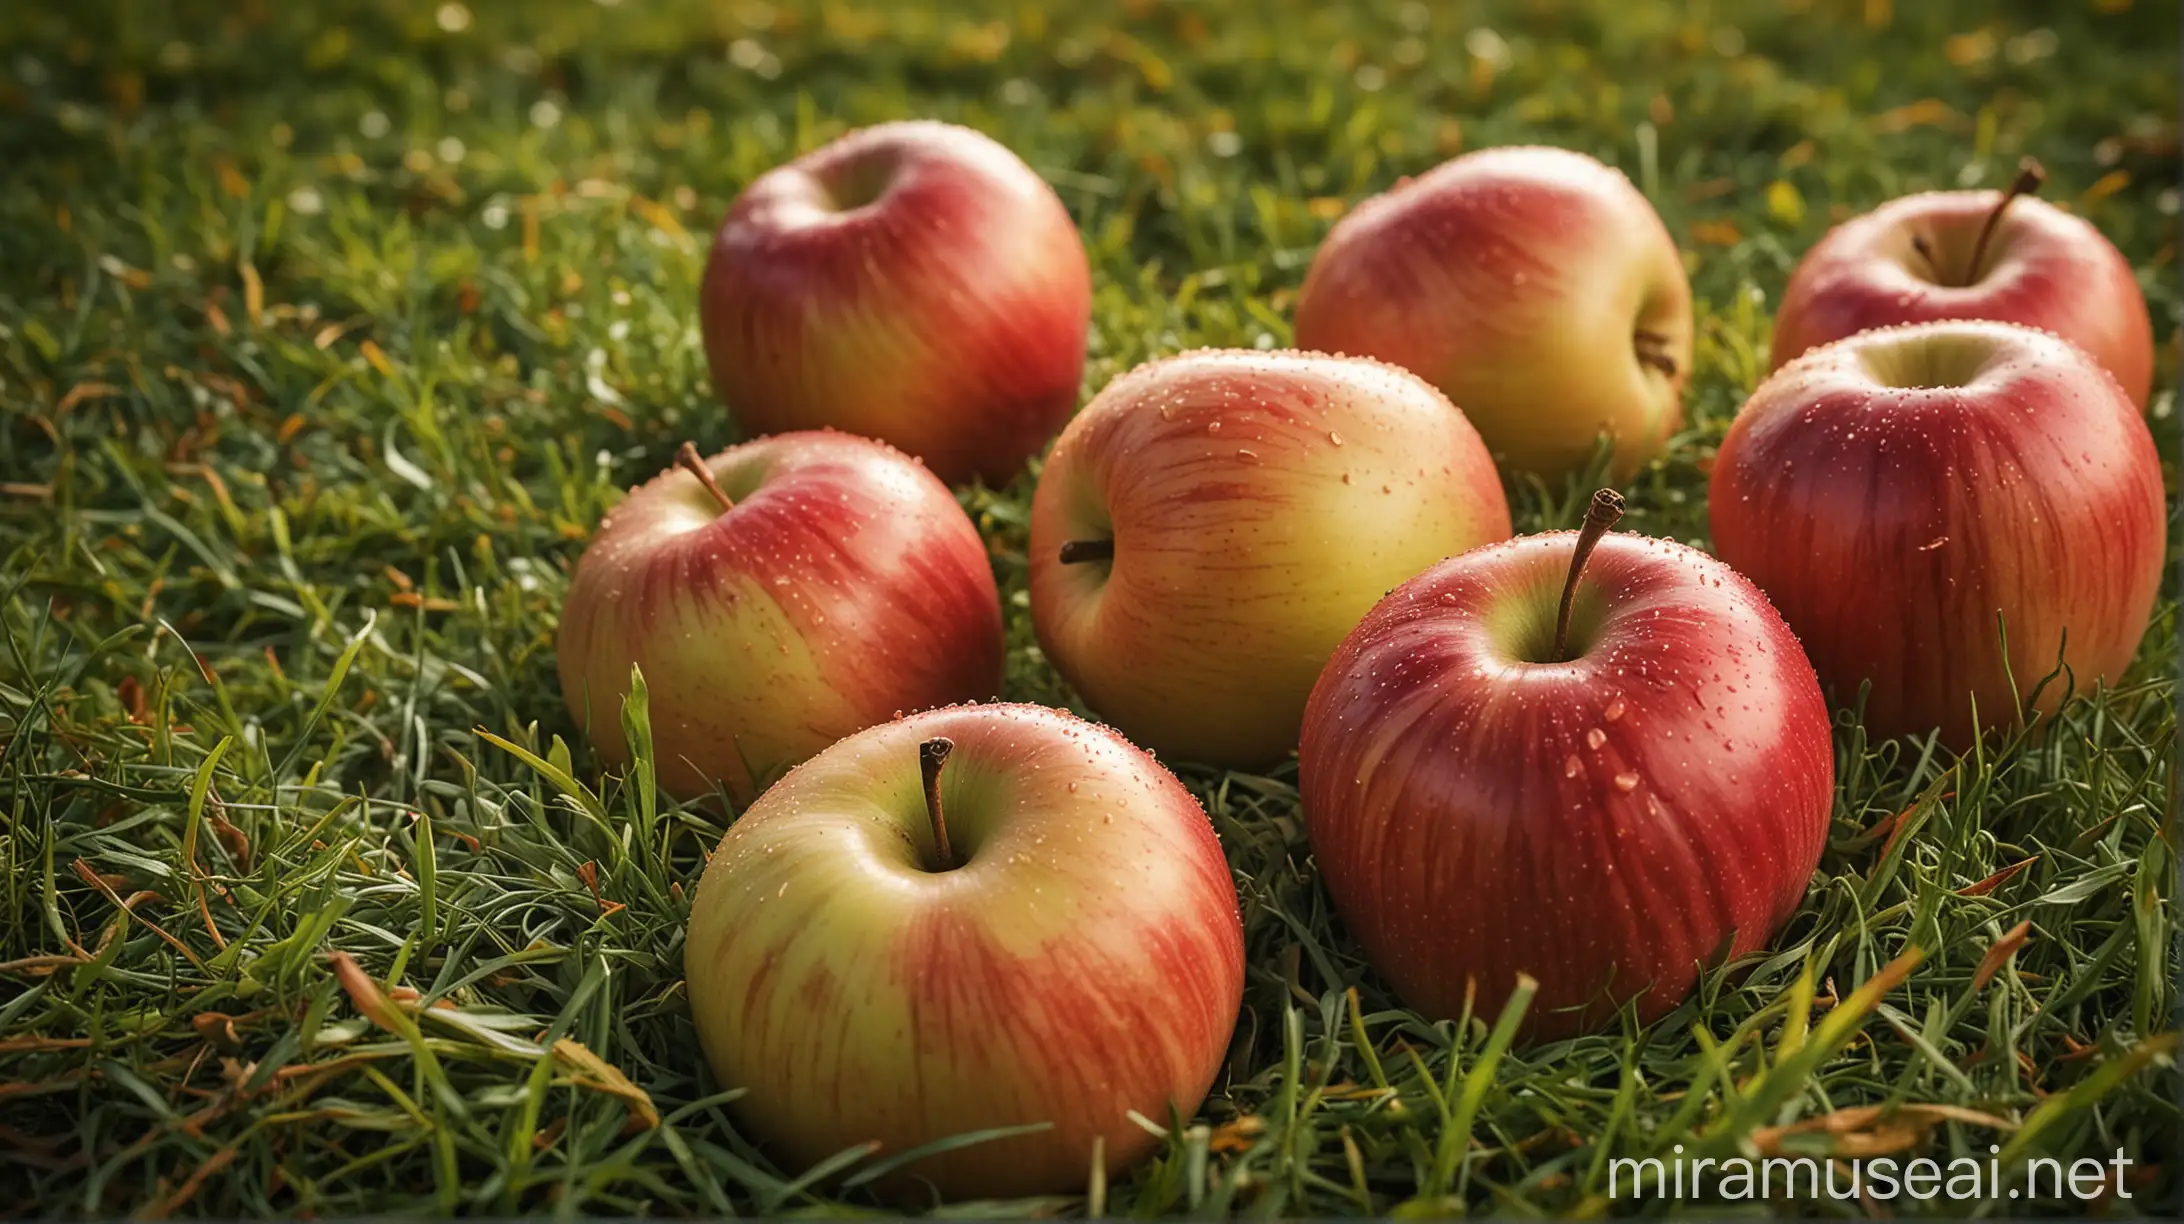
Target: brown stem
[
  {"x": 1652, "y": 350},
  {"x": 2028, "y": 180},
  {"x": 932, "y": 754},
  {"x": 1075, "y": 552},
  {"x": 1606, "y": 508},
  {"x": 689, "y": 458},
  {"x": 1926, "y": 252}
]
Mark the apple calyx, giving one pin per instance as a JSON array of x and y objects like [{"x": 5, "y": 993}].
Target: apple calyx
[
  {"x": 1076, "y": 552},
  {"x": 1606, "y": 508},
  {"x": 932, "y": 754},
  {"x": 687, "y": 458},
  {"x": 1652, "y": 350},
  {"x": 2030, "y": 174}
]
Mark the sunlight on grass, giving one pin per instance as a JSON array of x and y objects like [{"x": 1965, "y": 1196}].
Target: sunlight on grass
[{"x": 328, "y": 333}]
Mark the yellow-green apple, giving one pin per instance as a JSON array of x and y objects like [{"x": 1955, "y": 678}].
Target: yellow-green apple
[
  {"x": 778, "y": 596},
  {"x": 912, "y": 282},
  {"x": 1210, "y": 525},
  {"x": 1911, "y": 495},
  {"x": 1604, "y": 767},
  {"x": 970, "y": 919},
  {"x": 1536, "y": 287},
  {"x": 2006, "y": 256}
]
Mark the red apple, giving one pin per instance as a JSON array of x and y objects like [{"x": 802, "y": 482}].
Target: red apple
[
  {"x": 1607, "y": 810},
  {"x": 1536, "y": 287},
  {"x": 2005, "y": 256},
  {"x": 968, "y": 919},
  {"x": 1211, "y": 525},
  {"x": 778, "y": 596},
  {"x": 1898, "y": 492},
  {"x": 912, "y": 282}
]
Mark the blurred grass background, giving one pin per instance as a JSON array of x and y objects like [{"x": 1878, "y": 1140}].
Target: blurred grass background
[{"x": 328, "y": 331}]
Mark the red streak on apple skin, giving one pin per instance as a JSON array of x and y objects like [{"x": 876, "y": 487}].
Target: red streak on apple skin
[
  {"x": 1891, "y": 526},
  {"x": 1134, "y": 1027},
  {"x": 947, "y": 317},
  {"x": 1235, "y": 574},
  {"x": 1085, "y": 960},
  {"x": 1514, "y": 280},
  {"x": 1459, "y": 844},
  {"x": 1466, "y": 246},
  {"x": 875, "y": 572},
  {"x": 2045, "y": 269}
]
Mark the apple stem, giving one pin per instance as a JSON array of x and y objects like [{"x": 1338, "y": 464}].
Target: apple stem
[
  {"x": 1652, "y": 349},
  {"x": 2029, "y": 177},
  {"x": 1926, "y": 252},
  {"x": 688, "y": 458},
  {"x": 1606, "y": 508},
  {"x": 1075, "y": 552},
  {"x": 932, "y": 754}
]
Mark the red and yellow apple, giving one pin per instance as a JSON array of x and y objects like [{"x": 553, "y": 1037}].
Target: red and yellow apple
[
  {"x": 2006, "y": 256},
  {"x": 966, "y": 920},
  {"x": 1211, "y": 525},
  {"x": 1910, "y": 495},
  {"x": 1607, "y": 809},
  {"x": 778, "y": 596},
  {"x": 1536, "y": 287},
  {"x": 913, "y": 282}
]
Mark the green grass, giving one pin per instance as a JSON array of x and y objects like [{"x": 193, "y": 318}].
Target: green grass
[{"x": 326, "y": 336}]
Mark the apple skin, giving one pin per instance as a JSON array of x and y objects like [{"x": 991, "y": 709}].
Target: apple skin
[
  {"x": 1260, "y": 503},
  {"x": 1086, "y": 958},
  {"x": 1516, "y": 281},
  {"x": 1892, "y": 524},
  {"x": 913, "y": 282},
  {"x": 844, "y": 588},
  {"x": 2044, "y": 268},
  {"x": 1608, "y": 824}
]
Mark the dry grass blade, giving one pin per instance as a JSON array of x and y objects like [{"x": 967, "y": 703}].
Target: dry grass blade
[
  {"x": 302, "y": 309},
  {"x": 593, "y": 1072},
  {"x": 1998, "y": 953},
  {"x": 1875, "y": 1130}
]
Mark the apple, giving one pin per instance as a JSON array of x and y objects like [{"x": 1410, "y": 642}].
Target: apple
[
  {"x": 965, "y": 920},
  {"x": 1536, "y": 287},
  {"x": 1211, "y": 525},
  {"x": 912, "y": 282},
  {"x": 778, "y": 596},
  {"x": 2006, "y": 256},
  {"x": 1608, "y": 792},
  {"x": 1910, "y": 495}
]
